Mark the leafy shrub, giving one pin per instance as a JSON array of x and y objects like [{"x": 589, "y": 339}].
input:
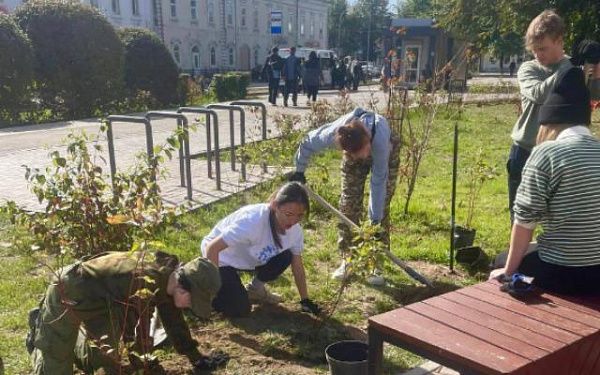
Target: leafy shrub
[
  {"x": 149, "y": 65},
  {"x": 78, "y": 56},
  {"x": 84, "y": 213},
  {"x": 230, "y": 86},
  {"x": 16, "y": 67}
]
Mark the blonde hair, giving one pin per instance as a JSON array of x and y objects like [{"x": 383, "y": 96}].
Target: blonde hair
[
  {"x": 546, "y": 24},
  {"x": 549, "y": 132}
]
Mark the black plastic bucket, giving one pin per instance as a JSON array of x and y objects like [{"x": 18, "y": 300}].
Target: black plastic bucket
[
  {"x": 347, "y": 357},
  {"x": 463, "y": 237},
  {"x": 472, "y": 256}
]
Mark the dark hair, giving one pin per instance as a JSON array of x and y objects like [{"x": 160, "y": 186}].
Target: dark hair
[
  {"x": 312, "y": 55},
  {"x": 292, "y": 192},
  {"x": 275, "y": 50},
  {"x": 293, "y": 49},
  {"x": 353, "y": 136}
]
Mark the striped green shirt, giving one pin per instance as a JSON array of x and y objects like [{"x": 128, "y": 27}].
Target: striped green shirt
[{"x": 560, "y": 189}]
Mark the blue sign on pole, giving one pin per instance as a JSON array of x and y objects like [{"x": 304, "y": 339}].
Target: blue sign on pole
[{"x": 276, "y": 21}]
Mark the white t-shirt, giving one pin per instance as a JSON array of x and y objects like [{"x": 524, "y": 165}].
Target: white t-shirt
[{"x": 249, "y": 240}]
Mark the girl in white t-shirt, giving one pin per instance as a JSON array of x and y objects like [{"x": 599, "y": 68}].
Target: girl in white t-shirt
[{"x": 264, "y": 238}]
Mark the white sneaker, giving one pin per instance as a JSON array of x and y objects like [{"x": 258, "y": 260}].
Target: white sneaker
[
  {"x": 375, "y": 279},
  {"x": 262, "y": 295},
  {"x": 342, "y": 272}
]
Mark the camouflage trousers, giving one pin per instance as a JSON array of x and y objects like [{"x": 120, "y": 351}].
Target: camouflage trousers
[
  {"x": 60, "y": 341},
  {"x": 354, "y": 177}
]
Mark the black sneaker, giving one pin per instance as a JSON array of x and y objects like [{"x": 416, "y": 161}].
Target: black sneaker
[{"x": 32, "y": 320}]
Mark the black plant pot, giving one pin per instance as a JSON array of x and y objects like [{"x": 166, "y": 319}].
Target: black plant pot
[
  {"x": 472, "y": 257},
  {"x": 463, "y": 237}
]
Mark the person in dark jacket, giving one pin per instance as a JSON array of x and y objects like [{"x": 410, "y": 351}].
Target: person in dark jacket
[
  {"x": 341, "y": 75},
  {"x": 272, "y": 69},
  {"x": 312, "y": 76},
  {"x": 291, "y": 73}
]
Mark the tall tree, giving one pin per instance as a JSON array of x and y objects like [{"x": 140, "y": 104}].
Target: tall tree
[{"x": 374, "y": 19}]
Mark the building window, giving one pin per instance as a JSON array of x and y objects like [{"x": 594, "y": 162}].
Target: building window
[
  {"x": 173, "y": 8},
  {"x": 255, "y": 19},
  {"x": 135, "y": 7},
  {"x": 211, "y": 12},
  {"x": 194, "y": 9},
  {"x": 213, "y": 56},
  {"x": 243, "y": 20},
  {"x": 176, "y": 54},
  {"x": 196, "y": 57},
  {"x": 229, "y": 12},
  {"x": 116, "y": 6},
  {"x": 230, "y": 56},
  {"x": 93, "y": 3},
  {"x": 321, "y": 29},
  {"x": 312, "y": 25},
  {"x": 290, "y": 28}
]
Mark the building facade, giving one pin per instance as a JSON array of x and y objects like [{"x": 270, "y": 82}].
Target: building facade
[
  {"x": 208, "y": 35},
  {"x": 218, "y": 35}
]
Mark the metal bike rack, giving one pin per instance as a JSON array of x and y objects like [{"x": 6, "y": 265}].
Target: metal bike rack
[
  {"x": 231, "y": 109},
  {"x": 185, "y": 175},
  {"x": 263, "y": 111},
  {"x": 111, "y": 145},
  {"x": 209, "y": 152}
]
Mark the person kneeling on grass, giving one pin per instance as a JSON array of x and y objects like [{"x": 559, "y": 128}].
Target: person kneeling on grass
[
  {"x": 114, "y": 295},
  {"x": 560, "y": 191},
  {"x": 265, "y": 239}
]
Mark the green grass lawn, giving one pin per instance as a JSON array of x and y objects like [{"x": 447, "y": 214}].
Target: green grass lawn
[{"x": 281, "y": 340}]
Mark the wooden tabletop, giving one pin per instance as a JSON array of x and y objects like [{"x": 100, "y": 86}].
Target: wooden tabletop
[{"x": 490, "y": 332}]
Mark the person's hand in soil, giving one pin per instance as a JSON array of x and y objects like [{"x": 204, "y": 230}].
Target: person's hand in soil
[{"x": 307, "y": 305}]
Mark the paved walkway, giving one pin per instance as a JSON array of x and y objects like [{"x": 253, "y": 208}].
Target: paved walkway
[{"x": 30, "y": 145}]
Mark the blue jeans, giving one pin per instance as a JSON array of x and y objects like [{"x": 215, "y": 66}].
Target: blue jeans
[
  {"x": 514, "y": 166},
  {"x": 232, "y": 299}
]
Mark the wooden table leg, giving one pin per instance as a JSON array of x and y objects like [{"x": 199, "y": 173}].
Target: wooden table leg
[{"x": 375, "y": 351}]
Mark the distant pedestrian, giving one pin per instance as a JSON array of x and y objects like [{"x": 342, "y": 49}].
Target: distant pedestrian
[
  {"x": 356, "y": 74},
  {"x": 341, "y": 75},
  {"x": 511, "y": 68},
  {"x": 272, "y": 69},
  {"x": 291, "y": 73},
  {"x": 312, "y": 76}
]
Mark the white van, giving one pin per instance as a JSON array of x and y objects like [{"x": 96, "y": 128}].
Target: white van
[{"x": 326, "y": 59}]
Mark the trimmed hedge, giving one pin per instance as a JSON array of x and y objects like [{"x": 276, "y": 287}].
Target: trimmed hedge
[
  {"x": 78, "y": 56},
  {"x": 230, "y": 86},
  {"x": 16, "y": 66},
  {"x": 149, "y": 65}
]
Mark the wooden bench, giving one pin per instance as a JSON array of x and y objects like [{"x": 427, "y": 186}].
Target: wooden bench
[{"x": 481, "y": 330}]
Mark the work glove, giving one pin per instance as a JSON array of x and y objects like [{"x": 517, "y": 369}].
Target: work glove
[
  {"x": 586, "y": 51},
  {"x": 211, "y": 362},
  {"x": 307, "y": 305},
  {"x": 298, "y": 177}
]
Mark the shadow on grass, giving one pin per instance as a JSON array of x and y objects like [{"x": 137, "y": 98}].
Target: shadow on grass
[
  {"x": 405, "y": 294},
  {"x": 290, "y": 336}
]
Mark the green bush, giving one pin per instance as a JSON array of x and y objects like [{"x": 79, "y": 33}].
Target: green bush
[
  {"x": 149, "y": 65},
  {"x": 78, "y": 63},
  {"x": 16, "y": 67},
  {"x": 230, "y": 86},
  {"x": 84, "y": 213}
]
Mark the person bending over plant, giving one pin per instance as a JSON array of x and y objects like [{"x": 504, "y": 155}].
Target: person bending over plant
[
  {"x": 368, "y": 146},
  {"x": 99, "y": 310}
]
